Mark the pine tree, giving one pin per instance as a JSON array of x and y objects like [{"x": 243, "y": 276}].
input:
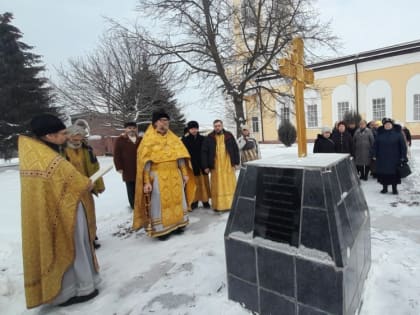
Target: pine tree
[{"x": 23, "y": 92}]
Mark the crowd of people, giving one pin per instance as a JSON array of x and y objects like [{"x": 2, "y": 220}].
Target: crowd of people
[
  {"x": 378, "y": 148},
  {"x": 165, "y": 176}
]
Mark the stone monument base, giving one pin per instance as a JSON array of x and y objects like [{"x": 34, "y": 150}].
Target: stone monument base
[{"x": 297, "y": 239}]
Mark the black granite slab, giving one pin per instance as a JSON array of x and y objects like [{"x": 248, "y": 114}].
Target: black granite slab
[
  {"x": 278, "y": 203},
  {"x": 243, "y": 220},
  {"x": 319, "y": 285},
  {"x": 272, "y": 303},
  {"x": 306, "y": 310},
  {"x": 243, "y": 292},
  {"x": 240, "y": 260},
  {"x": 313, "y": 192},
  {"x": 276, "y": 271}
]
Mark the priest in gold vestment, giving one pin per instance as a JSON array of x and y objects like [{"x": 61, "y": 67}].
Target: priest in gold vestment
[
  {"x": 59, "y": 264},
  {"x": 81, "y": 155},
  {"x": 220, "y": 157},
  {"x": 165, "y": 181}
]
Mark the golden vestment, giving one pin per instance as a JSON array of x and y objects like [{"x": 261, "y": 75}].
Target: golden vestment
[
  {"x": 163, "y": 152},
  {"x": 80, "y": 159},
  {"x": 51, "y": 190},
  {"x": 203, "y": 188},
  {"x": 223, "y": 178}
]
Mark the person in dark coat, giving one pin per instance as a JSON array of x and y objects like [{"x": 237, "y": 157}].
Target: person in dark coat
[
  {"x": 342, "y": 139},
  {"x": 390, "y": 151},
  {"x": 351, "y": 128},
  {"x": 363, "y": 144},
  {"x": 323, "y": 143},
  {"x": 373, "y": 126},
  {"x": 220, "y": 157},
  {"x": 125, "y": 158},
  {"x": 407, "y": 134},
  {"x": 193, "y": 141}
]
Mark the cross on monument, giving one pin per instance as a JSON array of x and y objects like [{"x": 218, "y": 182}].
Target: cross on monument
[{"x": 294, "y": 68}]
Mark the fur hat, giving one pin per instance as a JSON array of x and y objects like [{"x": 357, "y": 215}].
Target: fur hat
[
  {"x": 326, "y": 129},
  {"x": 159, "y": 115},
  {"x": 387, "y": 120},
  {"x": 192, "y": 124},
  {"x": 75, "y": 130},
  {"x": 45, "y": 124}
]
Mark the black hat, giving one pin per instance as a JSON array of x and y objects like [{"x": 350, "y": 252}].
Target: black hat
[
  {"x": 387, "y": 120},
  {"x": 159, "y": 115},
  {"x": 192, "y": 124},
  {"x": 46, "y": 123},
  {"x": 130, "y": 124}
]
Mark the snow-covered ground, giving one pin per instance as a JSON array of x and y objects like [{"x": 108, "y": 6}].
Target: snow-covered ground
[{"x": 187, "y": 275}]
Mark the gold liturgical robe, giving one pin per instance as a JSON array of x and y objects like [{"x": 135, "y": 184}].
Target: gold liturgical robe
[
  {"x": 51, "y": 190},
  {"x": 77, "y": 158},
  {"x": 203, "y": 188},
  {"x": 223, "y": 178},
  {"x": 163, "y": 153}
]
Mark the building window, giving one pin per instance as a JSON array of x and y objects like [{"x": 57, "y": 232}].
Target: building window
[
  {"x": 312, "y": 115},
  {"x": 255, "y": 124},
  {"x": 285, "y": 114},
  {"x": 342, "y": 109},
  {"x": 416, "y": 110},
  {"x": 378, "y": 108}
]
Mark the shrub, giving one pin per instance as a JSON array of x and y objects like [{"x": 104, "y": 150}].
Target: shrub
[{"x": 287, "y": 133}]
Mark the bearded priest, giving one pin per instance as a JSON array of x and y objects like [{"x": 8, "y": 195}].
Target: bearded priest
[{"x": 59, "y": 263}]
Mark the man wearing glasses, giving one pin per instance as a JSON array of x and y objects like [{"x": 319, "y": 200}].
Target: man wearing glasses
[{"x": 164, "y": 189}]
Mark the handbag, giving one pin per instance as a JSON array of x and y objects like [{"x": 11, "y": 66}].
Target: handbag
[{"x": 403, "y": 170}]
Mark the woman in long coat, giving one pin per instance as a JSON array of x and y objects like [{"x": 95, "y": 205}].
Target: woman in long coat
[
  {"x": 390, "y": 151},
  {"x": 363, "y": 144}
]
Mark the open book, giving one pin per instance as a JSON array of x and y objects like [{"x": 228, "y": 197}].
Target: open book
[{"x": 101, "y": 172}]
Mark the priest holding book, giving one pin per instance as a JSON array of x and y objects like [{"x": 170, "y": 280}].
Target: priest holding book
[{"x": 59, "y": 262}]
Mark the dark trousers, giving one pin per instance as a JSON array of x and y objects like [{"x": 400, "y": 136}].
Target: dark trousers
[
  {"x": 131, "y": 188},
  {"x": 363, "y": 171}
]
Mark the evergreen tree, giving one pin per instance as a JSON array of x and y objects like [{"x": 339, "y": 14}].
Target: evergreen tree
[
  {"x": 287, "y": 133},
  {"x": 352, "y": 117},
  {"x": 151, "y": 94},
  {"x": 23, "y": 92}
]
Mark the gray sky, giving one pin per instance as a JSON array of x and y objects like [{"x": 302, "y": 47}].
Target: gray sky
[{"x": 63, "y": 29}]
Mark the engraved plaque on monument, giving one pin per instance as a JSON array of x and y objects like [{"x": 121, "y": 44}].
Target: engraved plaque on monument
[{"x": 297, "y": 239}]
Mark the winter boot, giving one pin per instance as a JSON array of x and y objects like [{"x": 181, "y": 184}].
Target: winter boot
[
  {"x": 80, "y": 299},
  {"x": 359, "y": 171},
  {"x": 384, "y": 189},
  {"x": 366, "y": 175},
  {"x": 194, "y": 205},
  {"x": 394, "y": 189}
]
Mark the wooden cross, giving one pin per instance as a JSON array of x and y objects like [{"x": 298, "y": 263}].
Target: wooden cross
[{"x": 294, "y": 68}]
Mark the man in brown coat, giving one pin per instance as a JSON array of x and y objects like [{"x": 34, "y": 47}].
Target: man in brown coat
[{"x": 125, "y": 158}]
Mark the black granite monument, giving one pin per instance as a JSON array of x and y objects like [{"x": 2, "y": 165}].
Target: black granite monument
[{"x": 298, "y": 237}]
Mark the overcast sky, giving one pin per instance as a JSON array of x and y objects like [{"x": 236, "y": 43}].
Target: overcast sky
[{"x": 63, "y": 29}]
